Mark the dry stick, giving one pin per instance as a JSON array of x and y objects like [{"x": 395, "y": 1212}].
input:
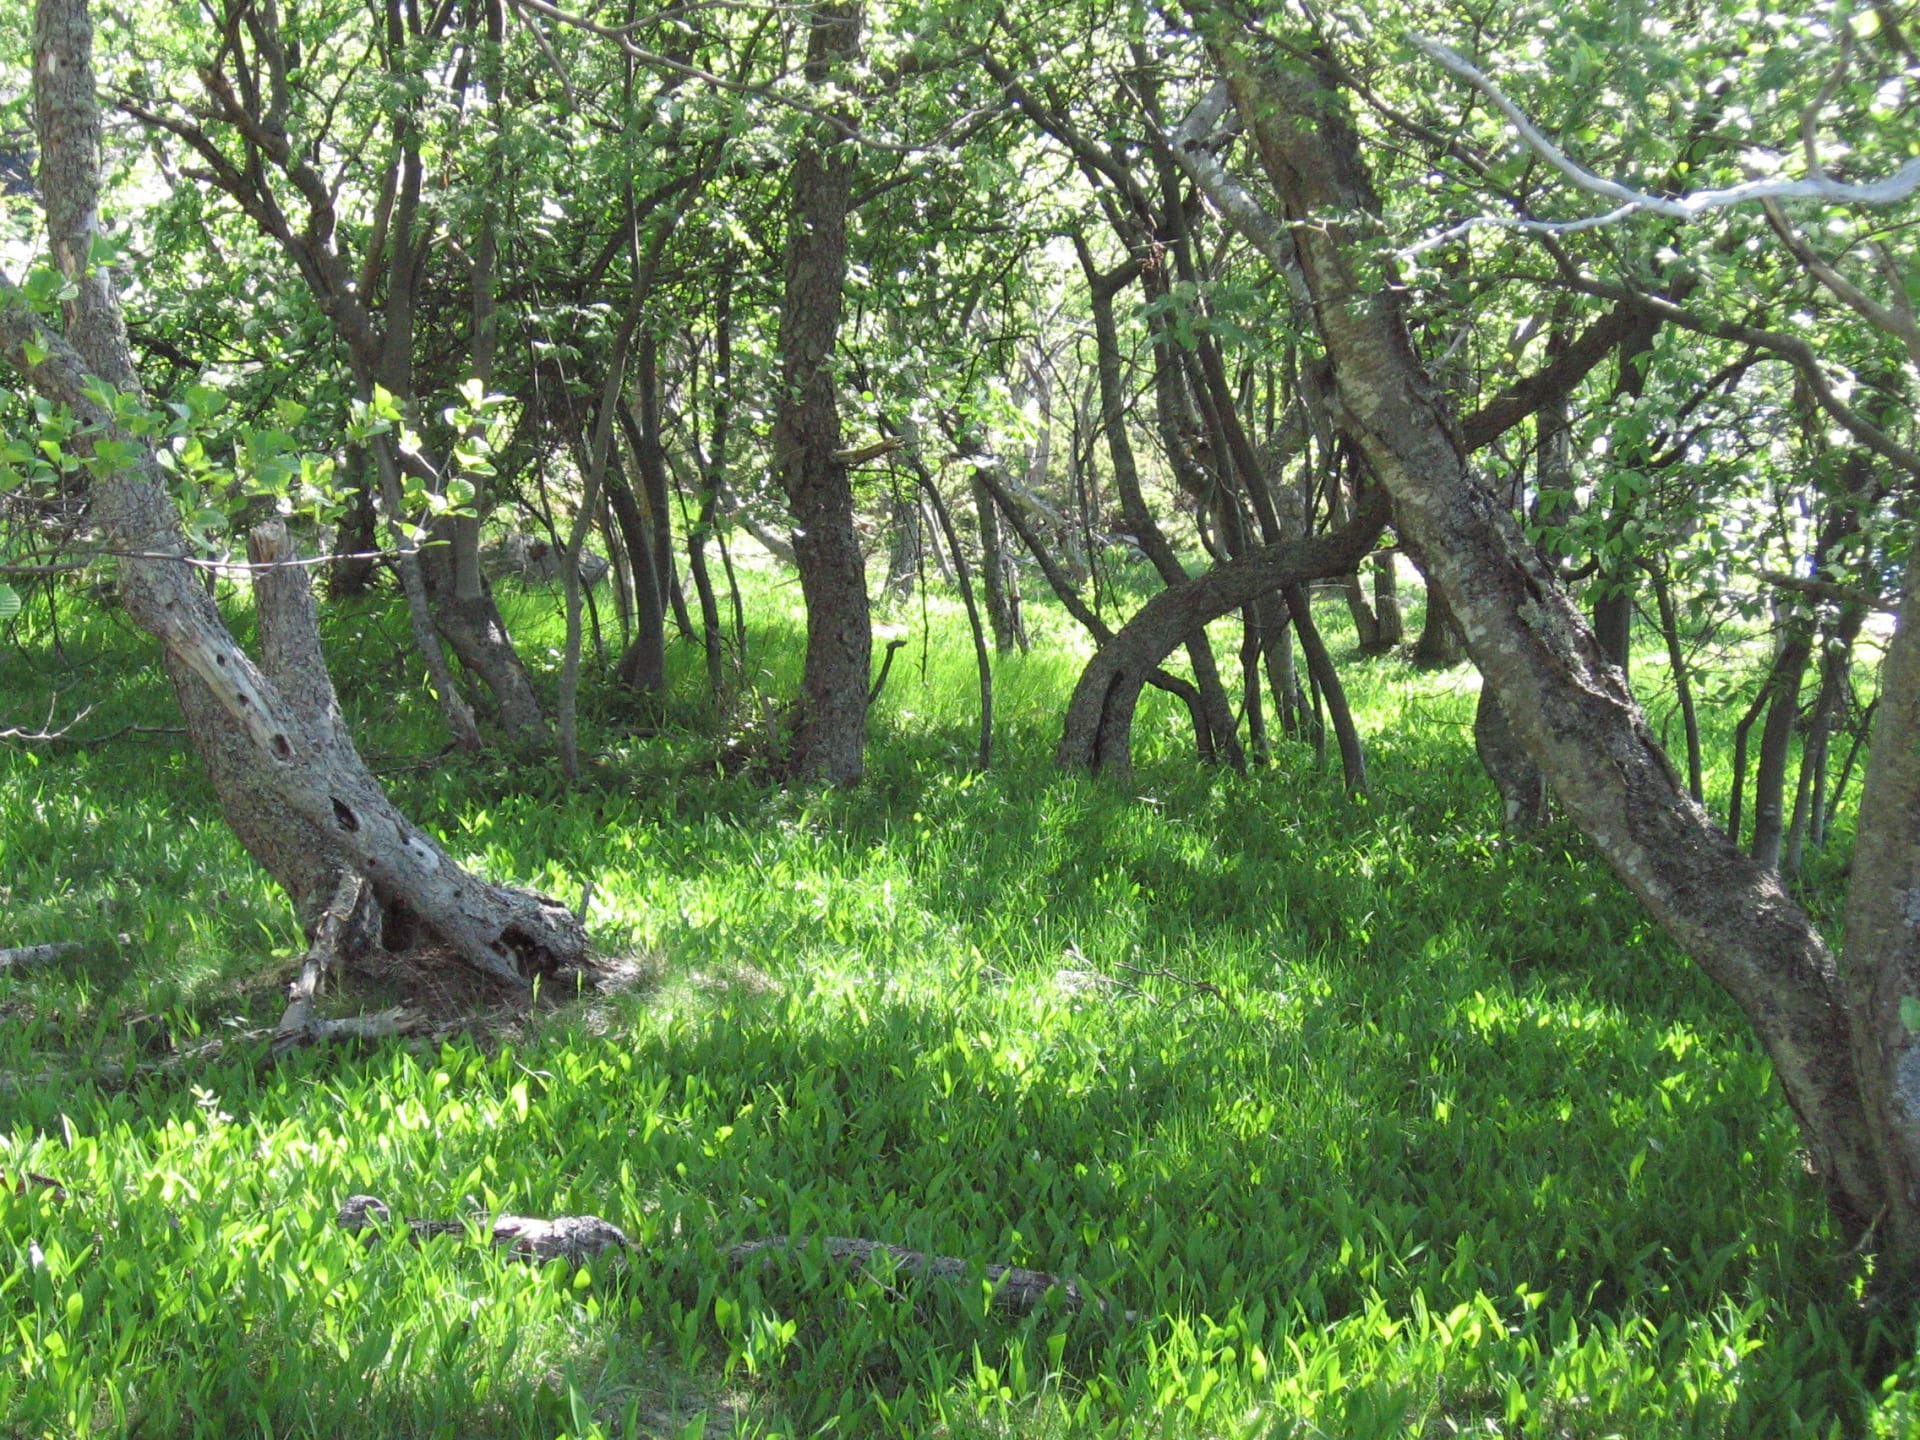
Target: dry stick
[
  {"x": 1198, "y": 987},
  {"x": 322, "y": 960}
]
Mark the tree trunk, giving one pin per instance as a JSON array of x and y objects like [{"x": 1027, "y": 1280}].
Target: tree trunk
[
  {"x": 1619, "y": 571},
  {"x": 298, "y": 794},
  {"x": 1682, "y": 685},
  {"x": 829, "y": 741},
  {"x": 643, "y": 667},
  {"x": 356, "y": 539},
  {"x": 1523, "y": 789},
  {"x": 1812, "y": 817},
  {"x": 1847, "y": 1065},
  {"x": 903, "y": 549},
  {"x": 1099, "y": 725},
  {"x": 996, "y": 582},
  {"x": 454, "y": 710},
  {"x": 1386, "y": 603},
  {"x": 1440, "y": 644},
  {"x": 1216, "y": 738},
  {"x": 1776, "y": 740}
]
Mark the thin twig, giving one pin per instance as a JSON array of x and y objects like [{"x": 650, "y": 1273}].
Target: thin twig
[{"x": 1198, "y": 987}]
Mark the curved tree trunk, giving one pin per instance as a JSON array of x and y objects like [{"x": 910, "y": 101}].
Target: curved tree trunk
[
  {"x": 1215, "y": 739},
  {"x": 1847, "y": 1065},
  {"x": 297, "y": 792},
  {"x": 1099, "y": 726}
]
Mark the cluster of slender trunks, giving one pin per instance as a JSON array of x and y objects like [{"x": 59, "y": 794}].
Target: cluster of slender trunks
[{"x": 1368, "y": 441}]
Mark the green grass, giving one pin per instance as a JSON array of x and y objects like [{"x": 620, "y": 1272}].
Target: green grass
[{"x": 1454, "y": 1145}]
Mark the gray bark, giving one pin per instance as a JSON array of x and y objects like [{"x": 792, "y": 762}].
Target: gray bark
[
  {"x": 296, "y": 790},
  {"x": 1850, "y": 1071}
]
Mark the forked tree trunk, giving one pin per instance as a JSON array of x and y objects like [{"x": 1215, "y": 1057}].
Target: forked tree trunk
[
  {"x": 830, "y": 737},
  {"x": 1847, "y": 1064},
  {"x": 289, "y": 777}
]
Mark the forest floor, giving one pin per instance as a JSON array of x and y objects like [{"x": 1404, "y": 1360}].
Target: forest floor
[{"x": 1377, "y": 1123}]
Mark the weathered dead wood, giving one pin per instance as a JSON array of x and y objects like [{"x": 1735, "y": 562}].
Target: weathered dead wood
[
  {"x": 38, "y": 954},
  {"x": 322, "y": 963},
  {"x": 381, "y": 1025},
  {"x": 580, "y": 1239},
  {"x": 576, "y": 1239}
]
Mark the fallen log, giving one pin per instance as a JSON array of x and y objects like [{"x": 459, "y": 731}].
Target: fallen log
[
  {"x": 38, "y": 954},
  {"x": 577, "y": 1239}
]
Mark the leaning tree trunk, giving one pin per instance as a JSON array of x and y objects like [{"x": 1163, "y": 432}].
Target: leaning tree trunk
[
  {"x": 830, "y": 738},
  {"x": 298, "y": 793},
  {"x": 1848, "y": 1066},
  {"x": 996, "y": 574}
]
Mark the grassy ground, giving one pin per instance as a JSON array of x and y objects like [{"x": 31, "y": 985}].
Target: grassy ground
[{"x": 1382, "y": 1125}]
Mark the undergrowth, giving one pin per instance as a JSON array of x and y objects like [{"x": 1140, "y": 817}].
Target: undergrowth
[{"x": 1378, "y": 1123}]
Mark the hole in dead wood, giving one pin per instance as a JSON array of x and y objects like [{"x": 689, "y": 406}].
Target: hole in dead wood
[{"x": 345, "y": 818}]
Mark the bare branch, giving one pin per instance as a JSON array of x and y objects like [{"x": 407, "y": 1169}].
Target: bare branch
[
  {"x": 1894, "y": 322},
  {"x": 1831, "y": 590},
  {"x": 1629, "y": 201},
  {"x": 1190, "y": 146}
]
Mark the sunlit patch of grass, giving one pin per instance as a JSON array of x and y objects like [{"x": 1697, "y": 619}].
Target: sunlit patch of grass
[{"x": 1381, "y": 1124}]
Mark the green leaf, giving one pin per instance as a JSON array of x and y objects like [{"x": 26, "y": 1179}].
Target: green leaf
[
  {"x": 9, "y": 602},
  {"x": 1910, "y": 1013}
]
